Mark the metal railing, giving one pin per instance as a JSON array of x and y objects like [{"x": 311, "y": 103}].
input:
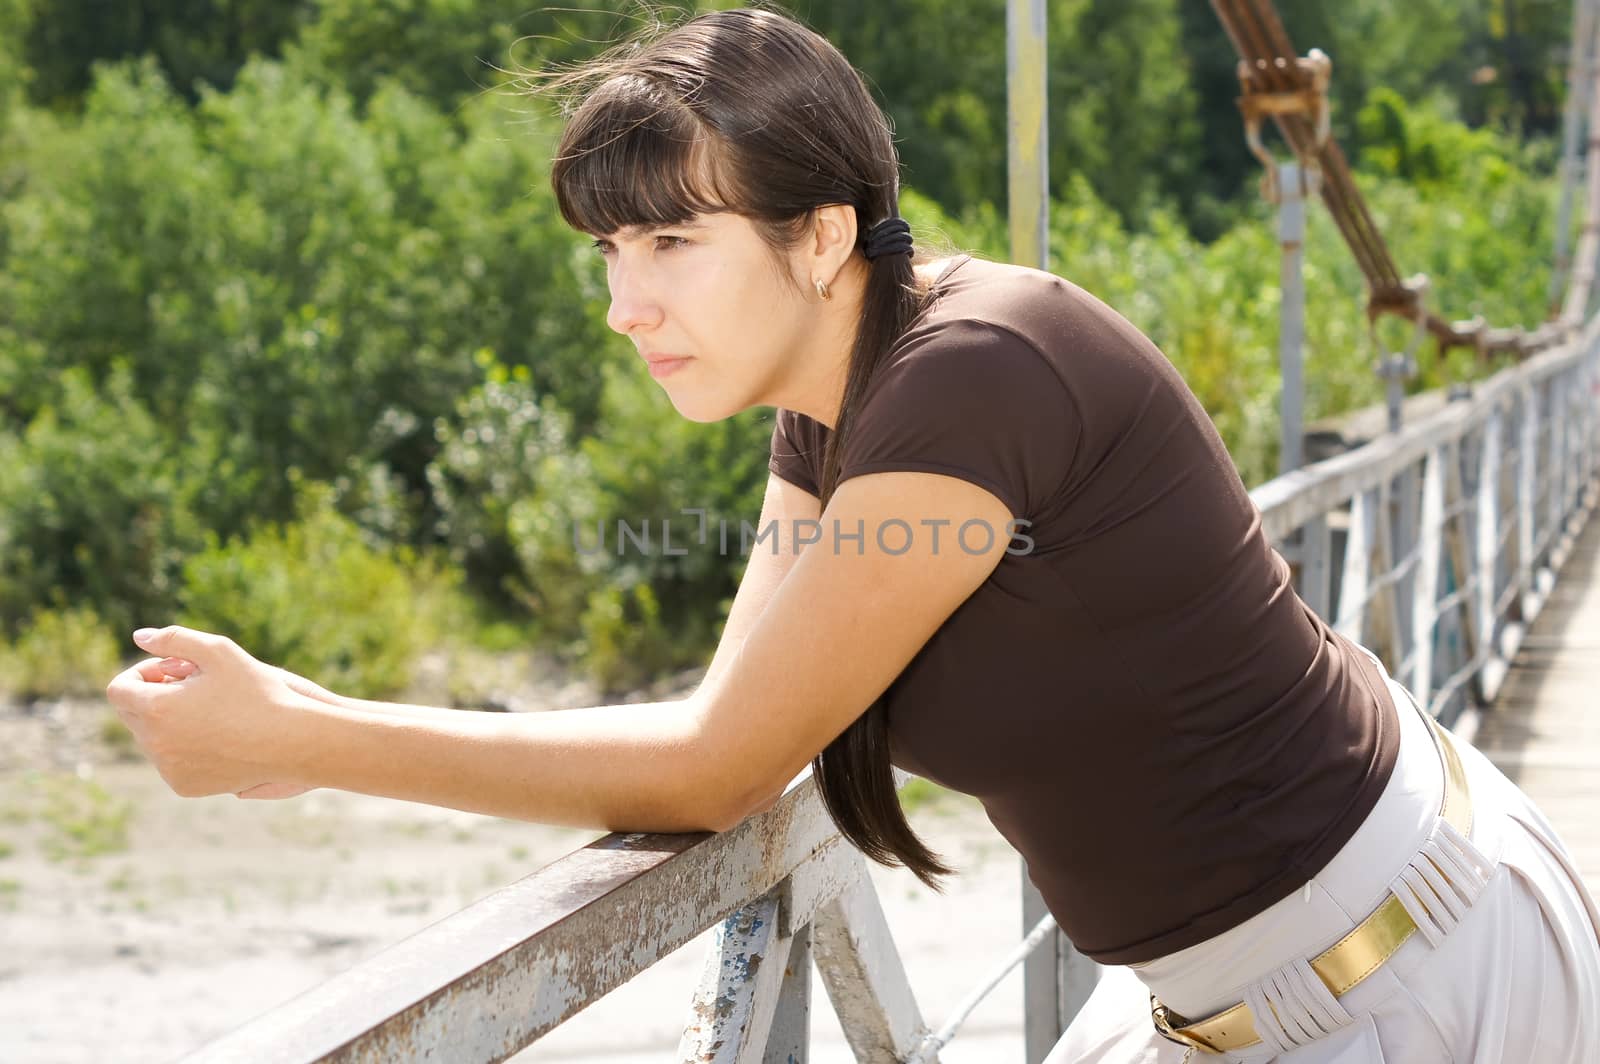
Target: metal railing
[
  {"x": 783, "y": 890},
  {"x": 1436, "y": 546}
]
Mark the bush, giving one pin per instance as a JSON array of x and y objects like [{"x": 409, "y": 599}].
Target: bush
[
  {"x": 92, "y": 511},
  {"x": 316, "y": 597},
  {"x": 492, "y": 454},
  {"x": 59, "y": 652},
  {"x": 641, "y": 610}
]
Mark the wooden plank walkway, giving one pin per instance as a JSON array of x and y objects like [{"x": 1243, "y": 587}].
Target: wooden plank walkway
[{"x": 1544, "y": 728}]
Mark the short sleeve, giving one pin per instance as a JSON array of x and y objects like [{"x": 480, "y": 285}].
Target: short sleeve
[
  {"x": 796, "y": 454},
  {"x": 970, "y": 400}
]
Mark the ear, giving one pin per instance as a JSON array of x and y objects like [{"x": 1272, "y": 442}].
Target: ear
[{"x": 833, "y": 240}]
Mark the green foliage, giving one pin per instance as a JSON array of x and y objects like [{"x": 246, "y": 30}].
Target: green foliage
[
  {"x": 493, "y": 454},
  {"x": 1479, "y": 226},
  {"x": 92, "y": 509},
  {"x": 1497, "y": 64},
  {"x": 292, "y": 286},
  {"x": 59, "y": 652},
  {"x": 315, "y": 597},
  {"x": 274, "y": 329},
  {"x": 641, "y": 609},
  {"x": 1120, "y": 102},
  {"x": 437, "y": 49},
  {"x": 15, "y": 74},
  {"x": 193, "y": 40}
]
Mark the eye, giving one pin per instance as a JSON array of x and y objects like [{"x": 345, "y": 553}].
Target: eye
[
  {"x": 667, "y": 243},
  {"x": 604, "y": 247}
]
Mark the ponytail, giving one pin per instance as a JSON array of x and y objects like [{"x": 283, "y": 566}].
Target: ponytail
[{"x": 853, "y": 773}]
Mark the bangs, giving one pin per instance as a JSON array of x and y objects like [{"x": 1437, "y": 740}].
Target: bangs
[{"x": 633, "y": 155}]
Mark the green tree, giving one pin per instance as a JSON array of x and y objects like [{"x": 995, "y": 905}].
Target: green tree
[
  {"x": 1497, "y": 62},
  {"x": 1120, "y": 104},
  {"x": 440, "y": 50},
  {"x": 14, "y": 70},
  {"x": 292, "y": 285},
  {"x": 194, "y": 41},
  {"x": 641, "y": 608},
  {"x": 93, "y": 510}
]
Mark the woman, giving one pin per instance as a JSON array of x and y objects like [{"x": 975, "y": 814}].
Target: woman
[{"x": 1028, "y": 571}]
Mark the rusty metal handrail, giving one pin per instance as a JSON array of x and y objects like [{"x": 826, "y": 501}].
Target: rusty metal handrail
[
  {"x": 1486, "y": 494},
  {"x": 487, "y": 981}
]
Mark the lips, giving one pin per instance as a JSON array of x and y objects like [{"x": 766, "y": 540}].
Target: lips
[{"x": 661, "y": 365}]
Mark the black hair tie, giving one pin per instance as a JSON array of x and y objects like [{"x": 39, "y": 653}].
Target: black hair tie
[{"x": 892, "y": 236}]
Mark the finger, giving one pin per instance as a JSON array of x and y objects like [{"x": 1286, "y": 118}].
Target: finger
[
  {"x": 175, "y": 641},
  {"x": 129, "y": 689},
  {"x": 133, "y": 693},
  {"x": 159, "y": 670},
  {"x": 178, "y": 668}
]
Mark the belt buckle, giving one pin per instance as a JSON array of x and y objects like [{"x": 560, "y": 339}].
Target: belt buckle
[{"x": 1162, "y": 1018}]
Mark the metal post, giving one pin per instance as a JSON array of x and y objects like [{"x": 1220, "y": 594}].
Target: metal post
[
  {"x": 1488, "y": 557},
  {"x": 1579, "y": 75},
  {"x": 1041, "y": 981},
  {"x": 789, "y": 1040},
  {"x": 1394, "y": 369},
  {"x": 1056, "y": 978},
  {"x": 1527, "y": 486},
  {"x": 1028, "y": 159},
  {"x": 1424, "y": 579},
  {"x": 1397, "y": 367},
  {"x": 1294, "y": 185},
  {"x": 1406, "y": 499}
]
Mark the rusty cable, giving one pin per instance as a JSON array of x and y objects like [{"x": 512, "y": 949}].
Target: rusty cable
[{"x": 1269, "y": 65}]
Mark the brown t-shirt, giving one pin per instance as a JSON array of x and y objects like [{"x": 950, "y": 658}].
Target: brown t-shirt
[{"x": 1171, "y": 739}]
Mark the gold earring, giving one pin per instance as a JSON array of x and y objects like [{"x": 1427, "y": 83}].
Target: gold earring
[{"x": 822, "y": 290}]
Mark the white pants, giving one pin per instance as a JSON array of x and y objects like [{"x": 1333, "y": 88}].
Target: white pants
[{"x": 1512, "y": 975}]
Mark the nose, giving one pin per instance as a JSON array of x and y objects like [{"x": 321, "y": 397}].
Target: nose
[{"x": 633, "y": 305}]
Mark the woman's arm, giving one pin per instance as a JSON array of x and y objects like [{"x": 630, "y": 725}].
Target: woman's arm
[
  {"x": 319, "y": 693},
  {"x": 782, "y": 507},
  {"x": 850, "y": 614},
  {"x": 831, "y": 637},
  {"x": 170, "y": 669},
  {"x": 632, "y": 767}
]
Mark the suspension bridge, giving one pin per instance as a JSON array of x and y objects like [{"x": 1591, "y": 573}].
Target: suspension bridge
[{"x": 1457, "y": 545}]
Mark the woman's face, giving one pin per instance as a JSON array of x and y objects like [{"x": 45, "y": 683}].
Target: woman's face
[{"x": 709, "y": 307}]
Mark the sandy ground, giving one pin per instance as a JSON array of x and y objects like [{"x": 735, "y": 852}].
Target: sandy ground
[{"x": 135, "y": 925}]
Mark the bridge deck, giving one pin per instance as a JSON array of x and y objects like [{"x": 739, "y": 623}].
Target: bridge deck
[{"x": 1544, "y": 729}]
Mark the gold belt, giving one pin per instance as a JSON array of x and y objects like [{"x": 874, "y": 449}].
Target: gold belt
[{"x": 1348, "y": 961}]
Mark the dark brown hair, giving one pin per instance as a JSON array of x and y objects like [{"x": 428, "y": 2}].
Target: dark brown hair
[{"x": 749, "y": 112}]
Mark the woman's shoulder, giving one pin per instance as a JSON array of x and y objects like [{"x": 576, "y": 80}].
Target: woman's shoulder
[
  {"x": 981, "y": 319},
  {"x": 978, "y": 307},
  {"x": 971, "y": 389},
  {"x": 1036, "y": 304}
]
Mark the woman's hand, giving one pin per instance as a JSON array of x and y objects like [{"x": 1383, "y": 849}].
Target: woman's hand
[
  {"x": 211, "y": 718},
  {"x": 170, "y": 670}
]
